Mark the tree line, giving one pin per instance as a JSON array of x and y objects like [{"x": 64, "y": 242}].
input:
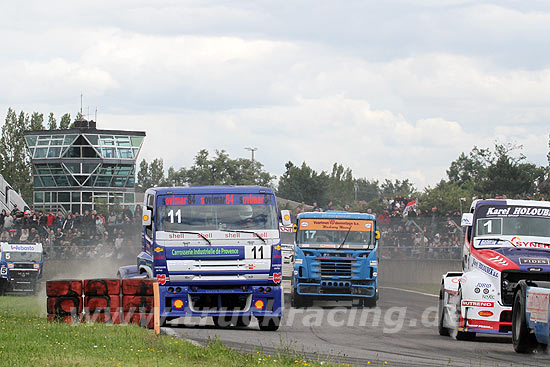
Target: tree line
[{"x": 482, "y": 172}]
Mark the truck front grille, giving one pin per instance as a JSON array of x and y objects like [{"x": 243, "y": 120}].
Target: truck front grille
[{"x": 334, "y": 267}]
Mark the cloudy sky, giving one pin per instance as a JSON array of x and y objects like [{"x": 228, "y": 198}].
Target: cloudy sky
[{"x": 391, "y": 89}]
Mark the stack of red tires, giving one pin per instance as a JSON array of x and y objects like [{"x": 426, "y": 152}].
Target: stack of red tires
[
  {"x": 138, "y": 301},
  {"x": 64, "y": 302},
  {"x": 102, "y": 300}
]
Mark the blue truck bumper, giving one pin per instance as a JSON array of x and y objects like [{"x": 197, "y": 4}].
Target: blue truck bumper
[
  {"x": 337, "y": 288},
  {"x": 185, "y": 301}
]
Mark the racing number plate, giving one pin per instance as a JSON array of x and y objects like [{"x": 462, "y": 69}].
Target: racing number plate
[{"x": 258, "y": 252}]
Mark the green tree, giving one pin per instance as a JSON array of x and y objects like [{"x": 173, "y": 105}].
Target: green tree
[
  {"x": 65, "y": 121},
  {"x": 367, "y": 190},
  {"x": 223, "y": 170},
  {"x": 143, "y": 177},
  {"x": 37, "y": 121},
  {"x": 156, "y": 172},
  {"x": 447, "y": 197},
  {"x": 52, "y": 122},
  {"x": 303, "y": 184},
  {"x": 507, "y": 174},
  {"x": 15, "y": 162},
  {"x": 398, "y": 188},
  {"x": 341, "y": 185}
]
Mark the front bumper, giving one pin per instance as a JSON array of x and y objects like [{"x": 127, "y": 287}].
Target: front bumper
[
  {"x": 239, "y": 300},
  {"x": 336, "y": 288}
]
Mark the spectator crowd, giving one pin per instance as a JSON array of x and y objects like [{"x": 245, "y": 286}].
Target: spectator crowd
[
  {"x": 407, "y": 232},
  {"x": 91, "y": 234}
]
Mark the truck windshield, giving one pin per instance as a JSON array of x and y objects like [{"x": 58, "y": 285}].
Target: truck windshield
[
  {"x": 318, "y": 232},
  {"x": 216, "y": 217},
  {"x": 516, "y": 221},
  {"x": 23, "y": 256}
]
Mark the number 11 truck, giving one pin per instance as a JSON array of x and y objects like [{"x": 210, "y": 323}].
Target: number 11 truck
[{"x": 215, "y": 251}]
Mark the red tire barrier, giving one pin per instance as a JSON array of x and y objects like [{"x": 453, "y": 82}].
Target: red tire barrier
[
  {"x": 142, "y": 319},
  {"x": 101, "y": 287},
  {"x": 60, "y": 288},
  {"x": 137, "y": 303},
  {"x": 64, "y": 306},
  {"x": 137, "y": 287},
  {"x": 103, "y": 317},
  {"x": 65, "y": 319},
  {"x": 101, "y": 303}
]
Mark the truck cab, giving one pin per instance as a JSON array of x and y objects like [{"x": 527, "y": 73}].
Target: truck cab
[
  {"x": 215, "y": 251},
  {"x": 506, "y": 241},
  {"x": 20, "y": 267},
  {"x": 336, "y": 258}
]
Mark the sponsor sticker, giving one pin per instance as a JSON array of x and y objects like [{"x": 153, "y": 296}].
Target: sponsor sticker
[
  {"x": 487, "y": 269},
  {"x": 467, "y": 303},
  {"x": 162, "y": 278},
  {"x": 533, "y": 261},
  {"x": 483, "y": 285},
  {"x": 373, "y": 263},
  {"x": 157, "y": 249},
  {"x": 537, "y": 305},
  {"x": 298, "y": 261}
]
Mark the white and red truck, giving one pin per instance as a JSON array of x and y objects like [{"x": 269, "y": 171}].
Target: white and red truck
[{"x": 506, "y": 241}]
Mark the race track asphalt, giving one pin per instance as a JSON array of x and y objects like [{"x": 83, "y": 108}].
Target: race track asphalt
[{"x": 401, "y": 330}]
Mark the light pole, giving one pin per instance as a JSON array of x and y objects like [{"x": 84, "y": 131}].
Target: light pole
[
  {"x": 252, "y": 150},
  {"x": 461, "y": 200}
]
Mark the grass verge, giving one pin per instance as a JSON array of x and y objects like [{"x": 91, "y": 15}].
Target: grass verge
[{"x": 28, "y": 339}]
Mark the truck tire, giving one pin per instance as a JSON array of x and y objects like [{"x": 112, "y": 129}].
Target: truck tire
[
  {"x": 66, "y": 319},
  {"x": 137, "y": 303},
  {"x": 101, "y": 287},
  {"x": 368, "y": 302},
  {"x": 524, "y": 341},
  {"x": 145, "y": 320},
  {"x": 296, "y": 300},
  {"x": 243, "y": 321},
  {"x": 269, "y": 323},
  {"x": 137, "y": 287},
  {"x": 102, "y": 303},
  {"x": 3, "y": 285},
  {"x": 443, "y": 331},
  {"x": 64, "y": 306},
  {"x": 61, "y": 288}
]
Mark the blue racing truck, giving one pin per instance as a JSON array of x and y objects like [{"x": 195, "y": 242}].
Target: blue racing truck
[
  {"x": 215, "y": 251},
  {"x": 336, "y": 258},
  {"x": 20, "y": 267}
]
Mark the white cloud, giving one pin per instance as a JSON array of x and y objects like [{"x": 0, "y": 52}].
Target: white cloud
[{"x": 390, "y": 92}]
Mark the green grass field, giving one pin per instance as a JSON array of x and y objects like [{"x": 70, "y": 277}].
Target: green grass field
[{"x": 28, "y": 339}]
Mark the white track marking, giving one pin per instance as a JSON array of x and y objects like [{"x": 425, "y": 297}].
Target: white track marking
[{"x": 408, "y": 290}]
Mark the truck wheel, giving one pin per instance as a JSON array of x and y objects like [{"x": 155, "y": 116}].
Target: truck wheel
[
  {"x": 369, "y": 302},
  {"x": 2, "y": 287},
  {"x": 462, "y": 335},
  {"x": 222, "y": 321},
  {"x": 295, "y": 300},
  {"x": 243, "y": 321},
  {"x": 524, "y": 341},
  {"x": 443, "y": 331},
  {"x": 269, "y": 323}
]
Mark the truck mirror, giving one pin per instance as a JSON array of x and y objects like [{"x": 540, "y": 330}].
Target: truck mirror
[
  {"x": 467, "y": 219},
  {"x": 285, "y": 218},
  {"x": 146, "y": 219},
  {"x": 377, "y": 235}
]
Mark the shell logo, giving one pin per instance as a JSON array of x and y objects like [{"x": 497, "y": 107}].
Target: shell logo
[
  {"x": 178, "y": 304},
  {"x": 287, "y": 217},
  {"x": 278, "y": 247},
  {"x": 145, "y": 218},
  {"x": 485, "y": 313},
  {"x": 259, "y": 304}
]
